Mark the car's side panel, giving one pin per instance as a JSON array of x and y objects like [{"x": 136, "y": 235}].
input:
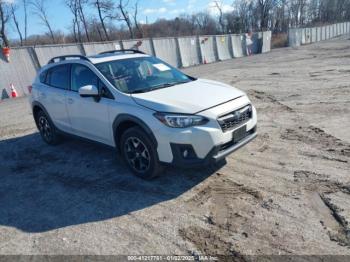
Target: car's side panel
[
  {"x": 89, "y": 118},
  {"x": 54, "y": 101}
]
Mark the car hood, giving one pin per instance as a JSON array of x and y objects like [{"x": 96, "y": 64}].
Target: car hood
[{"x": 189, "y": 98}]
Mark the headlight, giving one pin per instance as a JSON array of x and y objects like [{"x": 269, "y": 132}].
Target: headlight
[{"x": 180, "y": 121}]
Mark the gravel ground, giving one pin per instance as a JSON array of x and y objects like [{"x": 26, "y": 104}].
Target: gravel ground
[{"x": 288, "y": 192}]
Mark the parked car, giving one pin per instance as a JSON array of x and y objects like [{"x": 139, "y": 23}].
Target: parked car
[{"x": 151, "y": 112}]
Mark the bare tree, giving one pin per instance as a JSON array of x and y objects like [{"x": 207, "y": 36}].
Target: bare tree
[
  {"x": 244, "y": 11},
  {"x": 25, "y": 9},
  {"x": 264, "y": 7},
  {"x": 122, "y": 6},
  {"x": 73, "y": 7},
  {"x": 39, "y": 9},
  {"x": 96, "y": 30},
  {"x": 136, "y": 23},
  {"x": 218, "y": 6},
  {"x": 81, "y": 4},
  {"x": 4, "y": 17},
  {"x": 205, "y": 23},
  {"x": 105, "y": 11},
  {"x": 13, "y": 9}
]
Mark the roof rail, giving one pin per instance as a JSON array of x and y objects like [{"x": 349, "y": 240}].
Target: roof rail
[
  {"x": 64, "y": 57},
  {"x": 122, "y": 51}
]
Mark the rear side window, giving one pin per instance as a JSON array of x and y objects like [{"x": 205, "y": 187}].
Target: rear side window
[
  {"x": 42, "y": 77},
  {"x": 59, "y": 77}
]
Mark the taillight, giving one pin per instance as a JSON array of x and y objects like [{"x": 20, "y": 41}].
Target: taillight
[{"x": 30, "y": 89}]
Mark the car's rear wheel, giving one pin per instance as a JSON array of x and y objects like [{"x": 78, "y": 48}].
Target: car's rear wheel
[
  {"x": 140, "y": 153},
  {"x": 46, "y": 128}
]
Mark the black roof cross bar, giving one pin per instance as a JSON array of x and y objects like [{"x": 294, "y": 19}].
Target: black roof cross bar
[
  {"x": 122, "y": 51},
  {"x": 65, "y": 57}
]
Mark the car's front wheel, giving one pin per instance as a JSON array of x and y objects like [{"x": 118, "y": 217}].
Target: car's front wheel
[
  {"x": 140, "y": 153},
  {"x": 47, "y": 130}
]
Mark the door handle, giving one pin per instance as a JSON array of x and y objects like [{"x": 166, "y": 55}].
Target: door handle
[{"x": 70, "y": 101}]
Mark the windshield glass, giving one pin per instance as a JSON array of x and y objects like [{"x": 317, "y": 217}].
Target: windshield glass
[{"x": 141, "y": 74}]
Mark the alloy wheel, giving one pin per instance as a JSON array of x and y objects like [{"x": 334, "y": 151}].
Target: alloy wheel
[
  {"x": 137, "y": 154},
  {"x": 45, "y": 128}
]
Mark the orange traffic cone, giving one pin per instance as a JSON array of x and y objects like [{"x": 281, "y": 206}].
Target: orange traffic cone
[
  {"x": 6, "y": 53},
  {"x": 13, "y": 91}
]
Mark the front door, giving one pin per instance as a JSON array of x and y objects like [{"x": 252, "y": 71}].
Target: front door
[{"x": 89, "y": 118}]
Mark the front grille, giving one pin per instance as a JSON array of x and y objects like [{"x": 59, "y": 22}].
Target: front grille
[{"x": 235, "y": 118}]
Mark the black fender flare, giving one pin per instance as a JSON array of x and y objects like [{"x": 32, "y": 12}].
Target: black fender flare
[
  {"x": 38, "y": 104},
  {"x": 126, "y": 117}
]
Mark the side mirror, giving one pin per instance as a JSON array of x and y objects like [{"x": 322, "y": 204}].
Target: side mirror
[{"x": 89, "y": 91}]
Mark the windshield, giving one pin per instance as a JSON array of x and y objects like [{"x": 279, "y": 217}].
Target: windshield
[{"x": 141, "y": 74}]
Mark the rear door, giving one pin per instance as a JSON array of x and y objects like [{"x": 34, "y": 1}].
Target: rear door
[
  {"x": 52, "y": 95},
  {"x": 89, "y": 118}
]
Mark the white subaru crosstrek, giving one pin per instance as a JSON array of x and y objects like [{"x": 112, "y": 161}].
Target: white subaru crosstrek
[{"x": 151, "y": 112}]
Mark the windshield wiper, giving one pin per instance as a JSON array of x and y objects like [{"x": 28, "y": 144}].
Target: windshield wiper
[
  {"x": 139, "y": 91},
  {"x": 161, "y": 86},
  {"x": 165, "y": 85}
]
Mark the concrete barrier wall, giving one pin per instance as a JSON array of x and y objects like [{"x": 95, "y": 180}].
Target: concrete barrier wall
[
  {"x": 223, "y": 44},
  {"x": 208, "y": 49},
  {"x": 266, "y": 42},
  {"x": 20, "y": 72},
  {"x": 336, "y": 29},
  {"x": 302, "y": 36},
  {"x": 303, "y": 32},
  {"x": 96, "y": 48},
  {"x": 307, "y": 35},
  {"x": 313, "y": 35},
  {"x": 323, "y": 33},
  {"x": 341, "y": 28},
  {"x": 331, "y": 31},
  {"x": 45, "y": 53},
  {"x": 257, "y": 42},
  {"x": 167, "y": 50},
  {"x": 189, "y": 51},
  {"x": 319, "y": 32},
  {"x": 144, "y": 45},
  {"x": 294, "y": 37},
  {"x": 238, "y": 45}
]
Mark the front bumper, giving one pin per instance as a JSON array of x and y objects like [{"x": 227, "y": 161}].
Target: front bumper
[{"x": 216, "y": 154}]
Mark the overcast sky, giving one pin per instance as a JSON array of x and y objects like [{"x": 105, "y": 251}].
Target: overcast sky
[{"x": 61, "y": 18}]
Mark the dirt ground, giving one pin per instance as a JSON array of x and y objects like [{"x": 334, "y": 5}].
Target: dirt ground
[{"x": 288, "y": 192}]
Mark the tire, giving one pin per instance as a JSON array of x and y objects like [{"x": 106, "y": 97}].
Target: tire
[
  {"x": 47, "y": 129},
  {"x": 139, "y": 153}
]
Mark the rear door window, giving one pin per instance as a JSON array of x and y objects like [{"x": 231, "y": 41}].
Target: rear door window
[{"x": 59, "y": 77}]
